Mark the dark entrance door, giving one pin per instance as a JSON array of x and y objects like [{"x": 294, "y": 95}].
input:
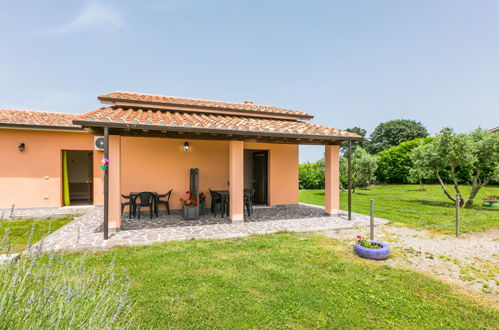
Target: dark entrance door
[
  {"x": 79, "y": 176},
  {"x": 260, "y": 177}
]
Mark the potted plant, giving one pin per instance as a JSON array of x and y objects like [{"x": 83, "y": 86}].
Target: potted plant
[
  {"x": 370, "y": 249},
  {"x": 491, "y": 201},
  {"x": 202, "y": 202},
  {"x": 190, "y": 209}
]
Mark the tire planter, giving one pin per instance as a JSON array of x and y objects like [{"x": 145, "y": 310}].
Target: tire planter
[{"x": 374, "y": 254}]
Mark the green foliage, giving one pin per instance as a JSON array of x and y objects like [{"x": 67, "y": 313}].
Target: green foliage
[
  {"x": 53, "y": 292},
  {"x": 365, "y": 143},
  {"x": 283, "y": 280},
  {"x": 363, "y": 169},
  {"x": 394, "y": 132},
  {"x": 394, "y": 163},
  {"x": 311, "y": 175},
  {"x": 475, "y": 154}
]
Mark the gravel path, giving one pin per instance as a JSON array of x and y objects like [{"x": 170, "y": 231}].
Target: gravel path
[{"x": 470, "y": 261}]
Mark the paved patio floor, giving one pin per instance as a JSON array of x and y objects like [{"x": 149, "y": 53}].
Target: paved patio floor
[{"x": 85, "y": 232}]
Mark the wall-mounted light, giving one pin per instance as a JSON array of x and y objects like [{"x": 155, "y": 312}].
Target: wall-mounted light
[
  {"x": 186, "y": 145},
  {"x": 21, "y": 147}
]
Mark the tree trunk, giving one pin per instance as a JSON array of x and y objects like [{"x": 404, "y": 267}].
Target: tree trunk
[
  {"x": 477, "y": 186},
  {"x": 456, "y": 185},
  {"x": 443, "y": 187}
]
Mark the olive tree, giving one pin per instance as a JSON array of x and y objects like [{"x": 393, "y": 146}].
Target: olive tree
[
  {"x": 363, "y": 168},
  {"x": 448, "y": 151}
]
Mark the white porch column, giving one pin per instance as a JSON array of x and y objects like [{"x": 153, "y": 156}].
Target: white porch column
[
  {"x": 114, "y": 183},
  {"x": 236, "y": 179},
  {"x": 332, "y": 187}
]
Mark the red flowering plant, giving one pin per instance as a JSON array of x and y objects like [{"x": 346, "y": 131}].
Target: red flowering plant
[
  {"x": 491, "y": 199},
  {"x": 365, "y": 243},
  {"x": 189, "y": 201},
  {"x": 202, "y": 197}
]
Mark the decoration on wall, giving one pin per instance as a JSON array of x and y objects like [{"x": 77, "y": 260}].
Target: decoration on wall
[{"x": 105, "y": 163}]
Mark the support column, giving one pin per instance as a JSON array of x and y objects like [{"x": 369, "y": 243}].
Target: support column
[
  {"x": 236, "y": 179},
  {"x": 332, "y": 179},
  {"x": 114, "y": 183}
]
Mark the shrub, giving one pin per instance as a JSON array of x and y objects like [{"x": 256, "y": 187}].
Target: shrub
[
  {"x": 311, "y": 176},
  {"x": 50, "y": 291},
  {"x": 395, "y": 163},
  {"x": 363, "y": 169}
]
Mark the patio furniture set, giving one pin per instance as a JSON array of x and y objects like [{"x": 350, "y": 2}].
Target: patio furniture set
[{"x": 152, "y": 200}]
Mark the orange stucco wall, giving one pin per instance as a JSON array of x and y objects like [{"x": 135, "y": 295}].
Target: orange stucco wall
[
  {"x": 283, "y": 171},
  {"x": 33, "y": 178},
  {"x": 160, "y": 164}
]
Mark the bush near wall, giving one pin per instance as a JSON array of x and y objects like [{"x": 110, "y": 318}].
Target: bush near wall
[{"x": 311, "y": 176}]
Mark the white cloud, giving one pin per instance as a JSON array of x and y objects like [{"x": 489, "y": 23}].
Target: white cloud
[{"x": 95, "y": 15}]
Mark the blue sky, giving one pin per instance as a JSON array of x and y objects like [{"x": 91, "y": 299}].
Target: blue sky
[{"x": 350, "y": 63}]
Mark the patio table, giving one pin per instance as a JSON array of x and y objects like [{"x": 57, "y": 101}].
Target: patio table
[{"x": 225, "y": 199}]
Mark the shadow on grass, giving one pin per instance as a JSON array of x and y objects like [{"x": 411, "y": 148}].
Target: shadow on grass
[{"x": 448, "y": 205}]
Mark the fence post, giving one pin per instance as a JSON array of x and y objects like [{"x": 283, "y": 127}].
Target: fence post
[
  {"x": 371, "y": 223},
  {"x": 458, "y": 198}
]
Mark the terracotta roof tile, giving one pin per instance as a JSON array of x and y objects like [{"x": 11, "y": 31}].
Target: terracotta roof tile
[
  {"x": 9, "y": 117},
  {"x": 142, "y": 117},
  {"x": 248, "y": 108}
]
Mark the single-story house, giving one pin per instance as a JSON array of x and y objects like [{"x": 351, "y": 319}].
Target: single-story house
[{"x": 53, "y": 159}]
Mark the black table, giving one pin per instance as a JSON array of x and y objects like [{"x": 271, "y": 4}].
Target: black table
[{"x": 225, "y": 199}]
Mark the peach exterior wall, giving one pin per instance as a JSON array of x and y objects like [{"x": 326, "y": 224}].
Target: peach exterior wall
[
  {"x": 332, "y": 184},
  {"x": 22, "y": 174},
  {"x": 160, "y": 164}
]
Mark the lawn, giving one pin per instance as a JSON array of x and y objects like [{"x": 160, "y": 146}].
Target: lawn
[
  {"x": 20, "y": 230},
  {"x": 282, "y": 281},
  {"x": 429, "y": 209}
]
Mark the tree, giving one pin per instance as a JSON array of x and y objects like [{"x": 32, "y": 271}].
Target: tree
[
  {"x": 394, "y": 164},
  {"x": 394, "y": 132},
  {"x": 477, "y": 151},
  {"x": 362, "y": 143},
  {"x": 363, "y": 169}
]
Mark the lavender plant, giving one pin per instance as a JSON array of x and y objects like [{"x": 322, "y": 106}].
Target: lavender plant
[{"x": 54, "y": 290}]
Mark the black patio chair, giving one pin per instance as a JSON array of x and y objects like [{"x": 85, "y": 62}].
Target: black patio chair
[
  {"x": 145, "y": 198},
  {"x": 248, "y": 200},
  {"x": 130, "y": 204},
  {"x": 165, "y": 201},
  {"x": 216, "y": 199}
]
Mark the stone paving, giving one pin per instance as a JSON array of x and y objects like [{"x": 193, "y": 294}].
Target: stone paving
[
  {"x": 85, "y": 232},
  {"x": 43, "y": 212}
]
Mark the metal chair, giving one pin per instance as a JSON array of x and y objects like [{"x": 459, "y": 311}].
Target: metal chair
[
  {"x": 130, "y": 204},
  {"x": 216, "y": 199},
  {"x": 248, "y": 200},
  {"x": 146, "y": 198},
  {"x": 165, "y": 201}
]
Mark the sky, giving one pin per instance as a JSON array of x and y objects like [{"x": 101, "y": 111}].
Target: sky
[{"x": 349, "y": 63}]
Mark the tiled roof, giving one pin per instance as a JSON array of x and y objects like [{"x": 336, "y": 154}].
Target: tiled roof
[
  {"x": 159, "y": 119},
  {"x": 9, "y": 117},
  {"x": 245, "y": 108}
]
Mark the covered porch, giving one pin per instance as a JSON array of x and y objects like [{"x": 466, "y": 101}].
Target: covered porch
[{"x": 151, "y": 142}]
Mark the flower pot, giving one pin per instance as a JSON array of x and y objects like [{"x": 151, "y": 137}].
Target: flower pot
[
  {"x": 374, "y": 254},
  {"x": 190, "y": 212}
]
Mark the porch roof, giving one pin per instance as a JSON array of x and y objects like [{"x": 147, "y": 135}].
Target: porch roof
[{"x": 179, "y": 124}]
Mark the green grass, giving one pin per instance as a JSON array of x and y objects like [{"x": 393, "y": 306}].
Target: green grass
[
  {"x": 406, "y": 204},
  {"x": 19, "y": 230},
  {"x": 282, "y": 281}
]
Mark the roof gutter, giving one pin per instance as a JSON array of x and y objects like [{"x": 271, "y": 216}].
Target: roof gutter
[
  {"x": 41, "y": 127},
  {"x": 214, "y": 131}
]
